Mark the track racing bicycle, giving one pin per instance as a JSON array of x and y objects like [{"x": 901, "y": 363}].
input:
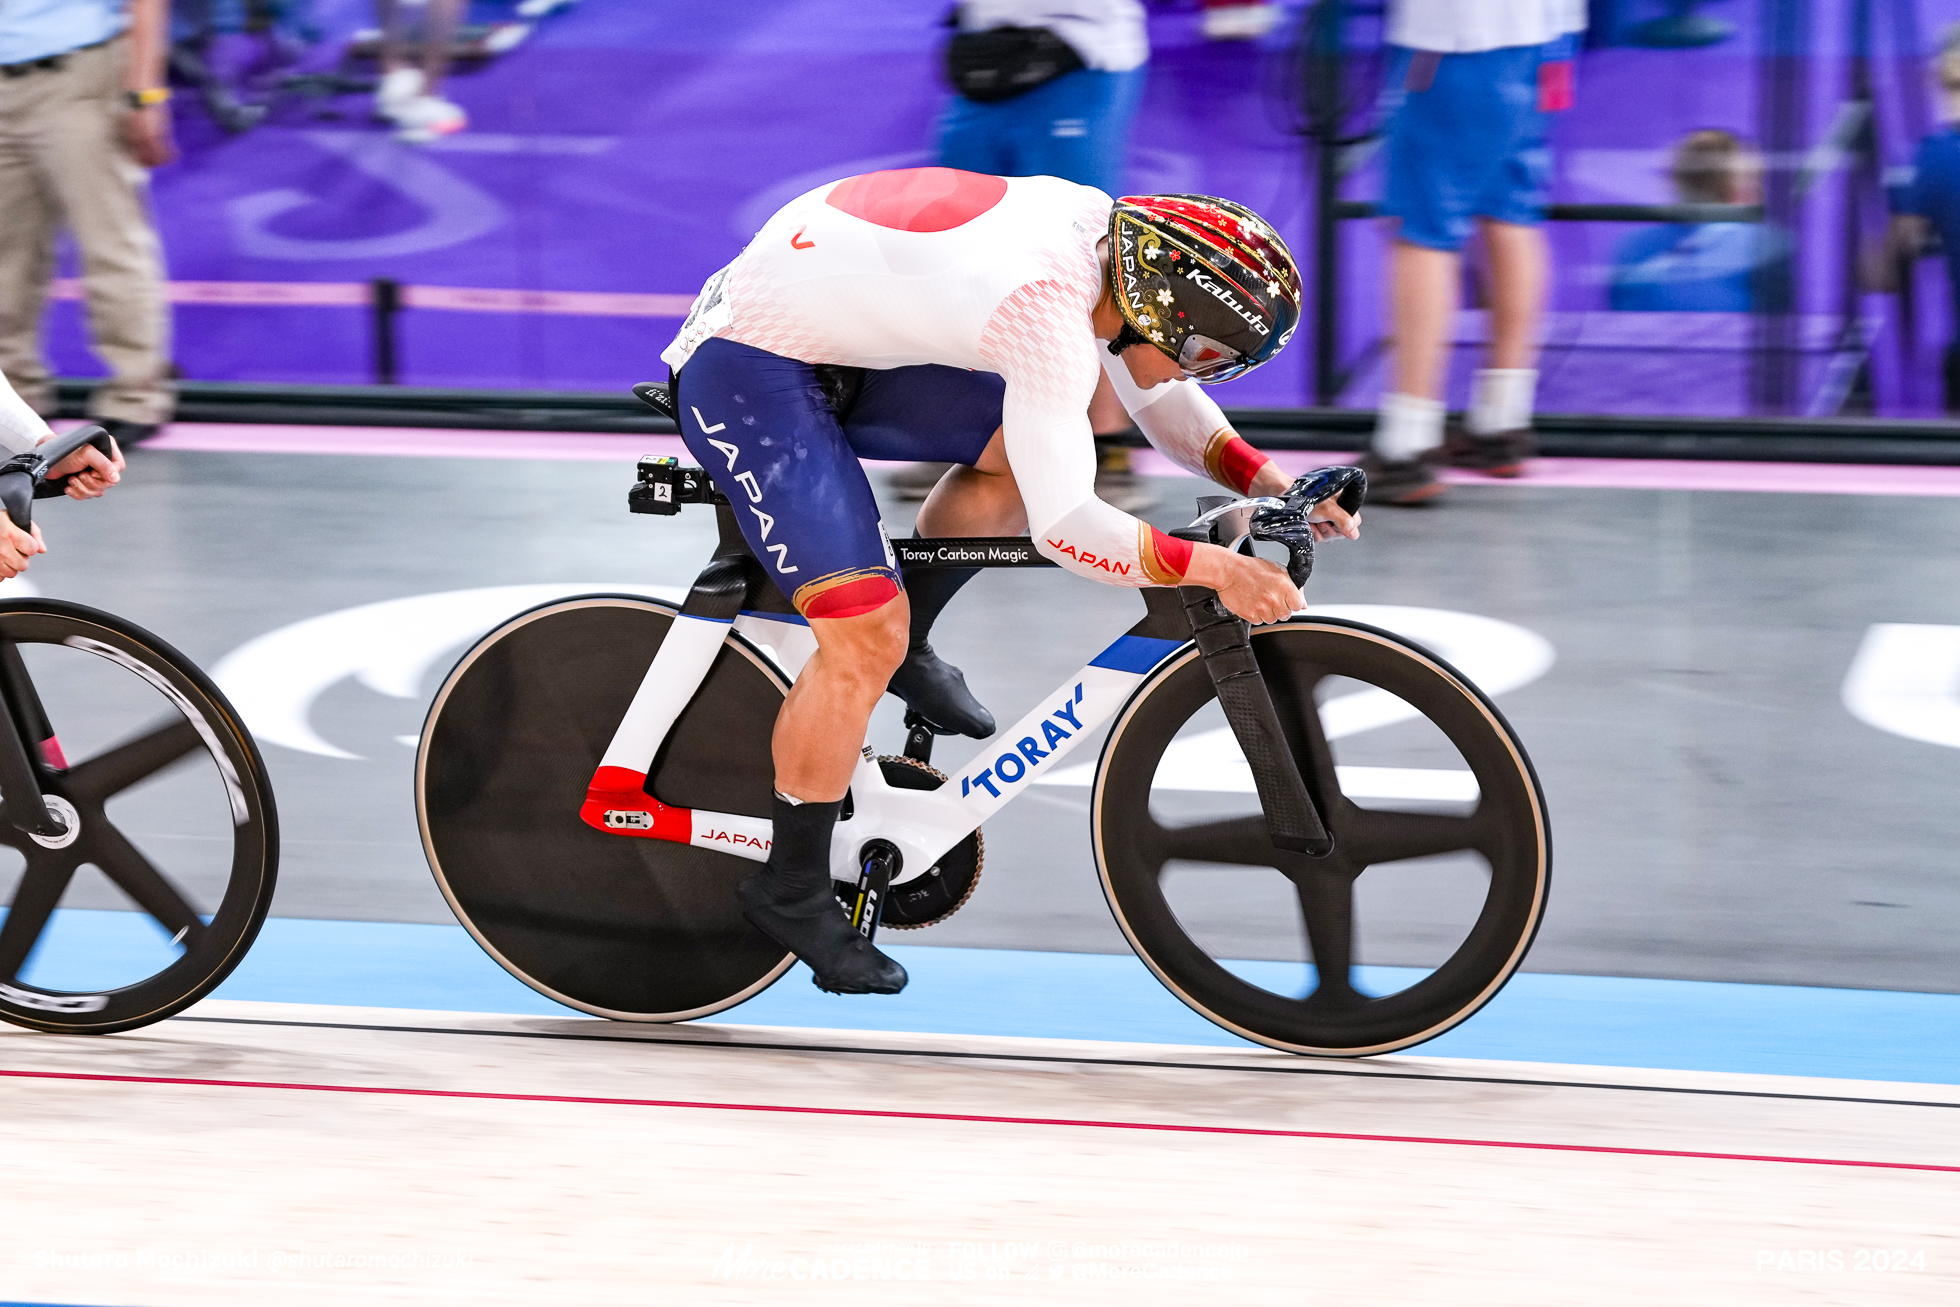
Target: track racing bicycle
[
  {"x": 175, "y": 818},
  {"x": 1243, "y": 856}
]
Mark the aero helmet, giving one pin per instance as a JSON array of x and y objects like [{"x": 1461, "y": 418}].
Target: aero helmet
[{"x": 1204, "y": 280}]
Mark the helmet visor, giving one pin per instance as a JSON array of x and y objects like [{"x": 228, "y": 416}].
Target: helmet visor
[{"x": 1206, "y": 360}]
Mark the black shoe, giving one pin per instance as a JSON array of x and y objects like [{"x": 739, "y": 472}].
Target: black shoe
[
  {"x": 816, "y": 930},
  {"x": 936, "y": 690},
  {"x": 1405, "y": 484},
  {"x": 128, "y": 434}
]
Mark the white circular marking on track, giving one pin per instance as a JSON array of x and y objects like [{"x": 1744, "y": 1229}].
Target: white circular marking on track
[
  {"x": 1906, "y": 680},
  {"x": 389, "y": 647}
]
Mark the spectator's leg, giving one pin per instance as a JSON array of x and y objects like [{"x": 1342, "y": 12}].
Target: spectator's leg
[
  {"x": 973, "y": 137},
  {"x": 104, "y": 195},
  {"x": 1409, "y": 423},
  {"x": 1430, "y": 172},
  {"x": 26, "y": 244},
  {"x": 1077, "y": 127},
  {"x": 409, "y": 94},
  {"x": 1422, "y": 289},
  {"x": 1496, "y": 436},
  {"x": 1517, "y": 292},
  {"x": 438, "y": 40},
  {"x": 394, "y": 34},
  {"x": 1499, "y": 421}
]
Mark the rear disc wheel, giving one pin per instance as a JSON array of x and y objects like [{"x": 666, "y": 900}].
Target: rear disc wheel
[{"x": 621, "y": 927}]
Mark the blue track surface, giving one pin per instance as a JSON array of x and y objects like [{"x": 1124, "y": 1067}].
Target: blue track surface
[{"x": 1595, "y": 1020}]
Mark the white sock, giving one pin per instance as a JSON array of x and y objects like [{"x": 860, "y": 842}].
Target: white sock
[
  {"x": 1407, "y": 427},
  {"x": 1501, "y": 399}
]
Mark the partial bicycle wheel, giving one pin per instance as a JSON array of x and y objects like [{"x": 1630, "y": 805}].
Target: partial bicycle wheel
[
  {"x": 164, "y": 874},
  {"x": 632, "y": 929},
  {"x": 1442, "y": 859}
]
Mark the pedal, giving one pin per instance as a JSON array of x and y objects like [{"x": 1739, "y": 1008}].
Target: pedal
[{"x": 874, "y": 884}]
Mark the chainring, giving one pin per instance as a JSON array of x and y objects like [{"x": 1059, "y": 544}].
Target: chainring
[{"x": 945, "y": 888}]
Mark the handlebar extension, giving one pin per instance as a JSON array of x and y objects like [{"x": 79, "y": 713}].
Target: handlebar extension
[
  {"x": 1229, "y": 522},
  {"x": 24, "y": 477}
]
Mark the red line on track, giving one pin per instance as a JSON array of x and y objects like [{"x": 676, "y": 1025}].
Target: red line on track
[{"x": 963, "y": 1117}]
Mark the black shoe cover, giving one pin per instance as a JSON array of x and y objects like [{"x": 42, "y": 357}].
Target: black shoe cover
[
  {"x": 936, "y": 690},
  {"x": 816, "y": 930}
]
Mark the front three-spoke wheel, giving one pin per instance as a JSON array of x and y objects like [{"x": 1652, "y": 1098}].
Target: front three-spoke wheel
[
  {"x": 1442, "y": 856},
  {"x": 163, "y": 875}
]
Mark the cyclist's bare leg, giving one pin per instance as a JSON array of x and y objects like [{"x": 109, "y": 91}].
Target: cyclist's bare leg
[
  {"x": 982, "y": 500},
  {"x": 818, "y": 731},
  {"x": 823, "y": 721}
]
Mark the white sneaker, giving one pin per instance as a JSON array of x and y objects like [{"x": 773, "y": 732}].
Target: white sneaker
[
  {"x": 539, "y": 8},
  {"x": 1240, "y": 22},
  {"x": 425, "y": 118}
]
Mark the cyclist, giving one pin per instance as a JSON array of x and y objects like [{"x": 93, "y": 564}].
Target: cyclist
[
  {"x": 21, "y": 428},
  {"x": 931, "y": 314}
]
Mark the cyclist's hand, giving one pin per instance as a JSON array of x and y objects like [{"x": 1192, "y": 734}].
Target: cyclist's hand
[
  {"x": 93, "y": 471},
  {"x": 16, "y": 547},
  {"x": 1252, "y": 588},
  {"x": 1329, "y": 519}
]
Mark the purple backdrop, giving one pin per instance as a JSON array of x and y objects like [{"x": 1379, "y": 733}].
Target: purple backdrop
[{"x": 632, "y": 146}]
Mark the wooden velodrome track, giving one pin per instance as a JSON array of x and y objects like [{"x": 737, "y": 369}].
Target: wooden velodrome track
[
  {"x": 254, "y": 1152},
  {"x": 259, "y": 1153}
]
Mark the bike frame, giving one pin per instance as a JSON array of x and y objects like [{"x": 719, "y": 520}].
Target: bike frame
[
  {"x": 894, "y": 835},
  {"x": 921, "y": 824}
]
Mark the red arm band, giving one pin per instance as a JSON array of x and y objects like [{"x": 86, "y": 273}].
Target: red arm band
[{"x": 1231, "y": 462}]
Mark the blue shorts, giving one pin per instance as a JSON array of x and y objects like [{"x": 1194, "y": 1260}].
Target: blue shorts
[
  {"x": 1076, "y": 127},
  {"x": 1469, "y": 145},
  {"x": 762, "y": 427}
]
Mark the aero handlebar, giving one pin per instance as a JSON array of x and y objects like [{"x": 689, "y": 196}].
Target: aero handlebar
[
  {"x": 24, "y": 477},
  {"x": 1229, "y": 522}
]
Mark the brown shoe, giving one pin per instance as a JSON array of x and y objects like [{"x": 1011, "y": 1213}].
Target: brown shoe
[
  {"x": 1500, "y": 455},
  {"x": 1403, "y": 484}
]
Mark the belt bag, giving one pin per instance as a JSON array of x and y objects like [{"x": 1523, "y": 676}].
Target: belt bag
[{"x": 1003, "y": 62}]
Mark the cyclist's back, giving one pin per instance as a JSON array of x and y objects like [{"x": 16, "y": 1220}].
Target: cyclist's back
[{"x": 894, "y": 269}]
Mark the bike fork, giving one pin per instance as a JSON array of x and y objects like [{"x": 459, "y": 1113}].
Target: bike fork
[
  {"x": 20, "y": 782},
  {"x": 1225, "y": 641}
]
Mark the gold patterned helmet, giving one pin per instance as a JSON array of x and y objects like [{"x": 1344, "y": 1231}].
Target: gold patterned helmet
[{"x": 1205, "y": 280}]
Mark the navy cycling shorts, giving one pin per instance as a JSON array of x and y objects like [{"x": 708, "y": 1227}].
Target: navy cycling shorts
[{"x": 762, "y": 427}]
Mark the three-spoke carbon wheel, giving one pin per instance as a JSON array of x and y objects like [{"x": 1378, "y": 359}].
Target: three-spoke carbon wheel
[
  {"x": 632, "y": 929},
  {"x": 175, "y": 820},
  {"x": 1442, "y": 859}
]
